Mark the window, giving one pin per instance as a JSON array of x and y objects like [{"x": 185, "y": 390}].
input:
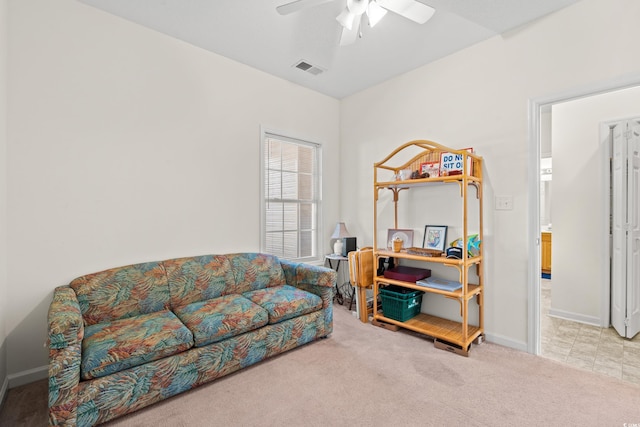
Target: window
[{"x": 291, "y": 197}]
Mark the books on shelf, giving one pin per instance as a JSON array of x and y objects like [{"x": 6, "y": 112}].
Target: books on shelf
[{"x": 438, "y": 283}]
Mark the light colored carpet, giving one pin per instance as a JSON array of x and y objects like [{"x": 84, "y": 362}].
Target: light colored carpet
[{"x": 364, "y": 375}]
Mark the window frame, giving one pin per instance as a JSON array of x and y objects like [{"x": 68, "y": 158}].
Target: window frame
[{"x": 265, "y": 134}]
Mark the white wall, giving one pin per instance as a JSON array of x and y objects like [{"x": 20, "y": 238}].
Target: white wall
[
  {"x": 126, "y": 145},
  {"x": 479, "y": 98},
  {"x": 3, "y": 193},
  {"x": 545, "y": 133},
  {"x": 580, "y": 258}
]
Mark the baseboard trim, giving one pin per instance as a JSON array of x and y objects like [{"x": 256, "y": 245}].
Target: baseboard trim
[
  {"x": 506, "y": 342},
  {"x": 3, "y": 391},
  {"x": 28, "y": 376},
  {"x": 575, "y": 317}
]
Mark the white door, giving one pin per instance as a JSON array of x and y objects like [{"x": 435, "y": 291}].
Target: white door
[
  {"x": 625, "y": 228},
  {"x": 633, "y": 282}
]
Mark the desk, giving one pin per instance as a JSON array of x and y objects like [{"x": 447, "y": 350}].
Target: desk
[{"x": 346, "y": 286}]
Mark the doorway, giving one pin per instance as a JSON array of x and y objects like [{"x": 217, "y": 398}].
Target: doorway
[
  {"x": 536, "y": 107},
  {"x": 536, "y": 314}
]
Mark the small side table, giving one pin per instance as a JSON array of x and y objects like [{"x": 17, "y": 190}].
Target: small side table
[{"x": 338, "y": 260}]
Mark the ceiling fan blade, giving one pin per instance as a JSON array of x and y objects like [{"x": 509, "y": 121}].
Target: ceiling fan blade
[
  {"x": 375, "y": 13},
  {"x": 349, "y": 36},
  {"x": 346, "y": 18},
  {"x": 411, "y": 9},
  {"x": 295, "y": 6}
]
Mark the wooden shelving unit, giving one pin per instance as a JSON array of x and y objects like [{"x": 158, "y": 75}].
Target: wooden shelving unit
[{"x": 460, "y": 333}]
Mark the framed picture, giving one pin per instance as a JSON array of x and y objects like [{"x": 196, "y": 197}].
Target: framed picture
[
  {"x": 435, "y": 237},
  {"x": 432, "y": 168},
  {"x": 405, "y": 235}
]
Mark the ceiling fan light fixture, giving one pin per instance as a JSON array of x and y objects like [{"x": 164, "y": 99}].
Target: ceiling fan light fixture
[
  {"x": 411, "y": 9},
  {"x": 346, "y": 19},
  {"x": 352, "y": 18},
  {"x": 375, "y": 13},
  {"x": 357, "y": 7}
]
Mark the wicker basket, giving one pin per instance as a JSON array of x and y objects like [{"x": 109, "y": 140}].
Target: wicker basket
[{"x": 424, "y": 252}]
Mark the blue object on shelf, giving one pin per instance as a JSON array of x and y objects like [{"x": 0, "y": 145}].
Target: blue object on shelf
[{"x": 442, "y": 284}]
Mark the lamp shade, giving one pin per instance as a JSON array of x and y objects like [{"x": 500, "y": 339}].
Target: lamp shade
[{"x": 340, "y": 231}]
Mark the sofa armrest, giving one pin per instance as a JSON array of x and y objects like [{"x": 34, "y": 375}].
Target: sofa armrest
[
  {"x": 65, "y": 334},
  {"x": 313, "y": 278}
]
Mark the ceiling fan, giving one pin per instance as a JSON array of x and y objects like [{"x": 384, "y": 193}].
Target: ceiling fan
[{"x": 356, "y": 11}]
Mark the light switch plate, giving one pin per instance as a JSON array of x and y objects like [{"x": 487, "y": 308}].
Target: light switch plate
[{"x": 504, "y": 203}]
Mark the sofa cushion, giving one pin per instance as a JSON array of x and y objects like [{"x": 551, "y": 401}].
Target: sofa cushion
[
  {"x": 255, "y": 271},
  {"x": 198, "y": 278},
  {"x": 219, "y": 318},
  {"x": 284, "y": 302},
  {"x": 122, "y": 292},
  {"x": 121, "y": 344}
]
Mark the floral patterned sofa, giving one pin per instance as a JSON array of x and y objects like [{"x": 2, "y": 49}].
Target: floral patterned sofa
[{"x": 127, "y": 337}]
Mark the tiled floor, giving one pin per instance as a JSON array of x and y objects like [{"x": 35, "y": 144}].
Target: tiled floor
[{"x": 588, "y": 347}]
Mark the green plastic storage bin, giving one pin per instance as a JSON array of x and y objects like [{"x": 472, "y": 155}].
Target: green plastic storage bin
[{"x": 400, "y": 303}]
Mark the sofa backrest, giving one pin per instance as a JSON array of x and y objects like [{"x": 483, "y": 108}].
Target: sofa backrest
[
  {"x": 122, "y": 292},
  {"x": 136, "y": 289},
  {"x": 198, "y": 278},
  {"x": 253, "y": 271}
]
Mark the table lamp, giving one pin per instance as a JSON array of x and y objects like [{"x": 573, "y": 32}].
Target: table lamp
[{"x": 339, "y": 233}]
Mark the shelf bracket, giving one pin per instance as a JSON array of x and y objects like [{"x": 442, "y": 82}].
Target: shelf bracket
[
  {"x": 478, "y": 190},
  {"x": 396, "y": 198},
  {"x": 459, "y": 302},
  {"x": 457, "y": 267},
  {"x": 460, "y": 184}
]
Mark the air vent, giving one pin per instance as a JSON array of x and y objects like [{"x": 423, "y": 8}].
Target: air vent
[
  {"x": 309, "y": 68},
  {"x": 303, "y": 65}
]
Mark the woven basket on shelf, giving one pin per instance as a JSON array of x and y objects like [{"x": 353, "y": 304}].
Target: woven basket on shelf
[{"x": 424, "y": 252}]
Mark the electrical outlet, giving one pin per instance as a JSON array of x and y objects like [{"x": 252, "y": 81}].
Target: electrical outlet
[{"x": 504, "y": 203}]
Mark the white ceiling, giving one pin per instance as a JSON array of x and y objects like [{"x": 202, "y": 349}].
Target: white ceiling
[{"x": 253, "y": 33}]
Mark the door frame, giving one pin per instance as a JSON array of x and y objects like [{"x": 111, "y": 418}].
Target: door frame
[
  {"x": 606, "y": 138},
  {"x": 535, "y": 106}
]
